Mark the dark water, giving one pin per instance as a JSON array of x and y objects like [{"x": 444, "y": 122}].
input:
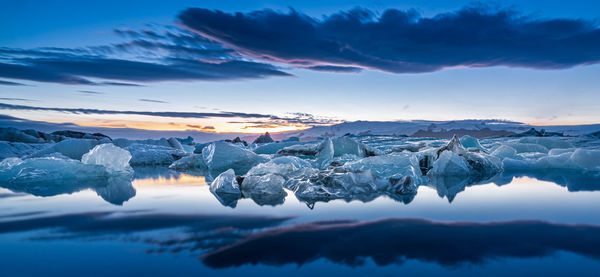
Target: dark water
[{"x": 169, "y": 224}]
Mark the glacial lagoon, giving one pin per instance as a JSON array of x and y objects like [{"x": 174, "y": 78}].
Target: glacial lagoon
[{"x": 165, "y": 221}]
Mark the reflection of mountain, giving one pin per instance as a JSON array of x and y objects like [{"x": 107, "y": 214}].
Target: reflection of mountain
[{"x": 394, "y": 240}]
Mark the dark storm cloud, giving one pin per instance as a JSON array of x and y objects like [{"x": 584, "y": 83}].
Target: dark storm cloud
[
  {"x": 403, "y": 41},
  {"x": 396, "y": 240},
  {"x": 335, "y": 69}
]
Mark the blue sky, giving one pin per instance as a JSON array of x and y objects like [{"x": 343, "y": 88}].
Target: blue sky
[{"x": 542, "y": 83}]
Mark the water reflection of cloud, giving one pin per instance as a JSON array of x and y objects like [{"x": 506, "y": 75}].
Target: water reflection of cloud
[{"x": 394, "y": 240}]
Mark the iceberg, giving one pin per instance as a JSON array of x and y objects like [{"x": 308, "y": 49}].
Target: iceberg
[
  {"x": 470, "y": 142},
  {"x": 148, "y": 154},
  {"x": 450, "y": 163},
  {"x": 286, "y": 166},
  {"x": 345, "y": 145},
  {"x": 264, "y": 189},
  {"x": 220, "y": 156},
  {"x": 226, "y": 188},
  {"x": 193, "y": 161},
  {"x": 454, "y": 160},
  {"x": 587, "y": 159},
  {"x": 272, "y": 148},
  {"x": 547, "y": 142},
  {"x": 113, "y": 158},
  {"x": 266, "y": 138},
  {"x": 504, "y": 151},
  {"x": 19, "y": 149},
  {"x": 393, "y": 165},
  {"x": 527, "y": 147},
  {"x": 72, "y": 148},
  {"x": 49, "y": 176}
]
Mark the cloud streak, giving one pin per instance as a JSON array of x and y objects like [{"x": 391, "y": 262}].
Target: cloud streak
[
  {"x": 403, "y": 41},
  {"x": 298, "y": 118},
  {"x": 147, "y": 56}
]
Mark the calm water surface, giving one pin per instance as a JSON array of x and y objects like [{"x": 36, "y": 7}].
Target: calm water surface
[{"x": 169, "y": 224}]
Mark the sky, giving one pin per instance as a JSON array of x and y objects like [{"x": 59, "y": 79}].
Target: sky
[{"x": 256, "y": 66}]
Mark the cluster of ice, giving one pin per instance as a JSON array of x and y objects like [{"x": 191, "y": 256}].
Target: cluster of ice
[
  {"x": 104, "y": 168},
  {"x": 347, "y": 167}
]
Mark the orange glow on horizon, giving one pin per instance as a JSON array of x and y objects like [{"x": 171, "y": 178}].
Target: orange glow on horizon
[{"x": 245, "y": 128}]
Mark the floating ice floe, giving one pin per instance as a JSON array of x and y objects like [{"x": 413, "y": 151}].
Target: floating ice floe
[
  {"x": 148, "y": 154},
  {"x": 220, "y": 156},
  {"x": 193, "y": 161},
  {"x": 72, "y": 148},
  {"x": 226, "y": 188},
  {"x": 104, "y": 169}
]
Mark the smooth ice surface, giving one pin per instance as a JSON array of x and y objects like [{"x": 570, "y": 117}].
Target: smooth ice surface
[
  {"x": 220, "y": 156},
  {"x": 226, "y": 183},
  {"x": 193, "y": 161},
  {"x": 149, "y": 154},
  {"x": 226, "y": 188},
  {"x": 286, "y": 166},
  {"x": 113, "y": 158},
  {"x": 264, "y": 189},
  {"x": 72, "y": 148},
  {"x": 471, "y": 142}
]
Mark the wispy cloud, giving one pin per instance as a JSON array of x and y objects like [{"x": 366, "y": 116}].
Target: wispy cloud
[
  {"x": 90, "y": 92},
  {"x": 254, "y": 118},
  {"x": 145, "y": 56},
  {"x": 8, "y": 83},
  {"x": 152, "y": 101},
  {"x": 16, "y": 99}
]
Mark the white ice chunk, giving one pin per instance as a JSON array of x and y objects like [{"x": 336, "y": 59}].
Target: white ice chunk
[
  {"x": 220, "y": 156},
  {"x": 285, "y": 166},
  {"x": 226, "y": 183},
  {"x": 113, "y": 158},
  {"x": 398, "y": 164},
  {"x": 264, "y": 189},
  {"x": 450, "y": 164}
]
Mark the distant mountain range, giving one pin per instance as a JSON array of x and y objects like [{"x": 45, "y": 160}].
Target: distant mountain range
[{"x": 416, "y": 128}]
